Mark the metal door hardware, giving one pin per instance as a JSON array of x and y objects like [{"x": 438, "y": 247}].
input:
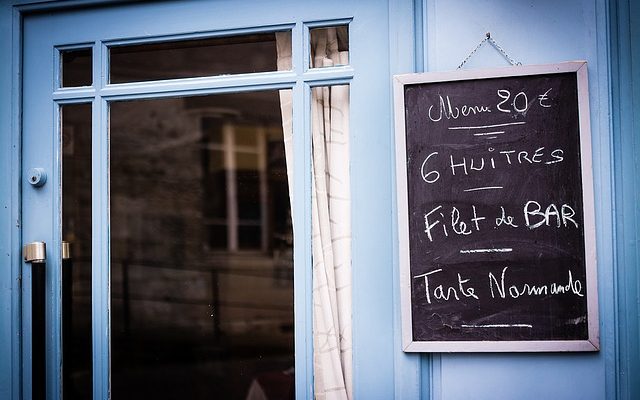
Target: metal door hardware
[
  {"x": 37, "y": 177},
  {"x": 66, "y": 250},
  {"x": 35, "y": 252}
]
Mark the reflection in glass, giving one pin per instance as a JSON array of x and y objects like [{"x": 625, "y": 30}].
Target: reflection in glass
[
  {"x": 329, "y": 46},
  {"x": 202, "y": 267},
  {"x": 76, "y": 68},
  {"x": 76, "y": 271},
  {"x": 196, "y": 58}
]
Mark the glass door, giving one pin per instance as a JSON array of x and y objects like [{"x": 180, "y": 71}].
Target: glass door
[
  {"x": 201, "y": 248},
  {"x": 173, "y": 137}
]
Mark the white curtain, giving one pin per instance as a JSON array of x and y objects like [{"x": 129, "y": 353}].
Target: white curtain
[{"x": 331, "y": 216}]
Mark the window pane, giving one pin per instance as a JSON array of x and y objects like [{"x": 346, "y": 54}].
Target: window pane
[
  {"x": 218, "y": 237},
  {"x": 247, "y": 136},
  {"x": 329, "y": 46},
  {"x": 247, "y": 161},
  {"x": 212, "y": 129},
  {"x": 76, "y": 68},
  {"x": 250, "y": 237},
  {"x": 248, "y": 194},
  {"x": 196, "y": 58},
  {"x": 201, "y": 308},
  {"x": 76, "y": 270}
]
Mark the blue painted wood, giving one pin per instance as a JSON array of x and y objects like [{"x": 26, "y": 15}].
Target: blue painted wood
[
  {"x": 372, "y": 230},
  {"x": 534, "y": 32},
  {"x": 10, "y": 264},
  {"x": 100, "y": 249},
  {"x": 625, "y": 80},
  {"x": 405, "y": 38},
  {"x": 40, "y": 222},
  {"x": 303, "y": 304},
  {"x": 419, "y": 28},
  {"x": 372, "y": 251}
]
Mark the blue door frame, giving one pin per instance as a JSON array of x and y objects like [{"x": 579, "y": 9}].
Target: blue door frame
[
  {"x": 413, "y": 33},
  {"x": 374, "y": 294},
  {"x": 625, "y": 95}
]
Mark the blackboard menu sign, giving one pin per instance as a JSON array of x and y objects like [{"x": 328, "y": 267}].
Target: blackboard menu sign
[{"x": 495, "y": 210}]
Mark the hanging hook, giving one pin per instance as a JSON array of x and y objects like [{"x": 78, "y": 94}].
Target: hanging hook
[{"x": 495, "y": 46}]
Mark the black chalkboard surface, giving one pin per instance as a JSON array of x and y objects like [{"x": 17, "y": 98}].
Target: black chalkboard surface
[{"x": 495, "y": 203}]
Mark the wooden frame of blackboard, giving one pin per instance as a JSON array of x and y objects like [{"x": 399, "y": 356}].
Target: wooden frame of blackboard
[{"x": 408, "y": 343}]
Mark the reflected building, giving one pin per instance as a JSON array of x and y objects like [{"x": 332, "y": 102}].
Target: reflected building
[{"x": 201, "y": 246}]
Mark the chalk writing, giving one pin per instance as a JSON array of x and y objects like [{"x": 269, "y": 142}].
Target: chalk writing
[
  {"x": 445, "y": 108},
  {"x": 475, "y": 164},
  {"x": 515, "y": 290},
  {"x": 448, "y": 111},
  {"x": 446, "y": 293},
  {"x": 447, "y": 221},
  {"x": 505, "y": 250},
  {"x": 497, "y": 326},
  {"x": 495, "y": 210},
  {"x": 502, "y": 286}
]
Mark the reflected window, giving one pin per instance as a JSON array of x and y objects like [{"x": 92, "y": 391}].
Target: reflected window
[
  {"x": 76, "y": 67},
  {"x": 196, "y": 58},
  {"x": 246, "y": 159},
  {"x": 76, "y": 263},
  {"x": 202, "y": 256}
]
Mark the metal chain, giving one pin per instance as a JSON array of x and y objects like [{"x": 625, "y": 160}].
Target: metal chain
[{"x": 495, "y": 45}]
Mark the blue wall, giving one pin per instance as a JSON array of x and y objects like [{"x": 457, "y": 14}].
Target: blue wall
[
  {"x": 532, "y": 32},
  {"x": 625, "y": 83}
]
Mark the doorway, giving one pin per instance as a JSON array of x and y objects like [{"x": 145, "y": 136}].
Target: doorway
[{"x": 173, "y": 187}]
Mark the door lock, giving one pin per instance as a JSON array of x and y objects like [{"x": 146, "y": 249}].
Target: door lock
[{"x": 37, "y": 177}]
